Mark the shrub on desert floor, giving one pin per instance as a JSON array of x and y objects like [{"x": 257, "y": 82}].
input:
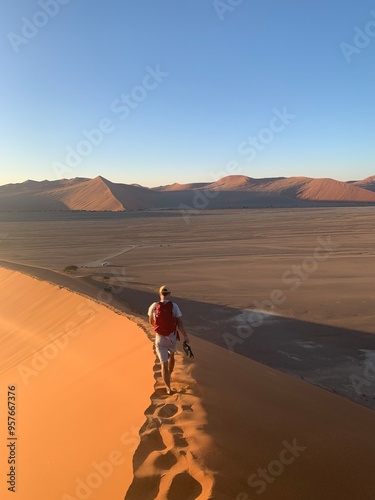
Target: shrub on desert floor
[{"x": 68, "y": 269}]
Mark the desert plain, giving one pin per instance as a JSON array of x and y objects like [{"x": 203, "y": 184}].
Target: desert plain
[{"x": 279, "y": 400}]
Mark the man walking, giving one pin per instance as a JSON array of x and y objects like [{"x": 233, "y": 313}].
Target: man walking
[{"x": 165, "y": 317}]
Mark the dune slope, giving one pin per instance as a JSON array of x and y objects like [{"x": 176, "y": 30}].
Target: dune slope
[
  {"x": 83, "y": 377},
  {"x": 234, "y": 429},
  {"x": 100, "y": 194}
]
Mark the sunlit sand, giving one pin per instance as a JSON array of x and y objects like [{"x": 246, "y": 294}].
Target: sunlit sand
[{"x": 92, "y": 411}]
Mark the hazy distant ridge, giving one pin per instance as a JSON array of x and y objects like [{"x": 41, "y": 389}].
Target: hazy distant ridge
[{"x": 235, "y": 191}]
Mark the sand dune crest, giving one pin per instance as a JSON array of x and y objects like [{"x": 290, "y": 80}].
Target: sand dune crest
[
  {"x": 169, "y": 462},
  {"x": 231, "y": 191}
]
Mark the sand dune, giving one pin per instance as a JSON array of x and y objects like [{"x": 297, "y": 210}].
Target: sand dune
[
  {"x": 302, "y": 188},
  {"x": 93, "y": 194},
  {"x": 84, "y": 378},
  {"x": 232, "y": 182},
  {"x": 93, "y": 416},
  {"x": 368, "y": 183},
  {"x": 100, "y": 194},
  {"x": 331, "y": 190},
  {"x": 37, "y": 187},
  {"x": 182, "y": 187},
  {"x": 81, "y": 391},
  {"x": 261, "y": 413},
  {"x": 131, "y": 197}
]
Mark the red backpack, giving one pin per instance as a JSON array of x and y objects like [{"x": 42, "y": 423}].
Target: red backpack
[{"x": 164, "y": 323}]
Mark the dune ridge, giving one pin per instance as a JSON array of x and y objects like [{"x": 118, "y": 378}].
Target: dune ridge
[
  {"x": 85, "y": 377},
  {"x": 93, "y": 194},
  {"x": 100, "y": 194},
  {"x": 170, "y": 461},
  {"x": 368, "y": 183},
  {"x": 233, "y": 429},
  {"x": 69, "y": 378}
]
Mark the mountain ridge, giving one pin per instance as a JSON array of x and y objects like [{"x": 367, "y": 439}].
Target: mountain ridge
[{"x": 233, "y": 191}]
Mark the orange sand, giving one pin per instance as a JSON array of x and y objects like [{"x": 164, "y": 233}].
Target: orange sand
[{"x": 84, "y": 377}]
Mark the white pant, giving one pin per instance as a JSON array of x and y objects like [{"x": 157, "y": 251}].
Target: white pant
[{"x": 164, "y": 345}]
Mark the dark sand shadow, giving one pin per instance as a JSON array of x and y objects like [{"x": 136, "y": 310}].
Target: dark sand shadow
[
  {"x": 323, "y": 355},
  {"x": 340, "y": 360},
  {"x": 337, "y": 359}
]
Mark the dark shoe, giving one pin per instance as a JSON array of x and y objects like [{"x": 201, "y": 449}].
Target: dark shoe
[{"x": 186, "y": 347}]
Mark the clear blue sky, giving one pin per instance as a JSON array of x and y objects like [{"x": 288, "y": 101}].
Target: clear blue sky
[{"x": 223, "y": 70}]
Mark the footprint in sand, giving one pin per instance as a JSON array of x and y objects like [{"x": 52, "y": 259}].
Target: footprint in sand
[
  {"x": 166, "y": 461},
  {"x": 186, "y": 483},
  {"x": 152, "y": 423},
  {"x": 178, "y": 437},
  {"x": 151, "y": 409},
  {"x": 168, "y": 411},
  {"x": 150, "y": 441},
  {"x": 145, "y": 488},
  {"x": 187, "y": 407},
  {"x": 159, "y": 393}
]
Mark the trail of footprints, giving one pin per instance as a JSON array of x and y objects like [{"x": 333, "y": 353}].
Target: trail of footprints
[{"x": 166, "y": 461}]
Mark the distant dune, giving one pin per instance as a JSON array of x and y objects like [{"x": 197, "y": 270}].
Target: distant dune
[
  {"x": 234, "y": 191},
  {"x": 368, "y": 183},
  {"x": 182, "y": 187}
]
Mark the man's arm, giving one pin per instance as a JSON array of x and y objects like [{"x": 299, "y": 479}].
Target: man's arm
[
  {"x": 181, "y": 328},
  {"x": 150, "y": 313}
]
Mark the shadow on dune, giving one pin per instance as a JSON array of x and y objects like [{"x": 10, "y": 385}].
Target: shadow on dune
[
  {"x": 331, "y": 357},
  {"x": 337, "y": 359},
  {"x": 257, "y": 415},
  {"x": 337, "y": 435}
]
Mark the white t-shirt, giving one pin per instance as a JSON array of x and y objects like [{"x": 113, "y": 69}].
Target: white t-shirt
[{"x": 175, "y": 311}]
